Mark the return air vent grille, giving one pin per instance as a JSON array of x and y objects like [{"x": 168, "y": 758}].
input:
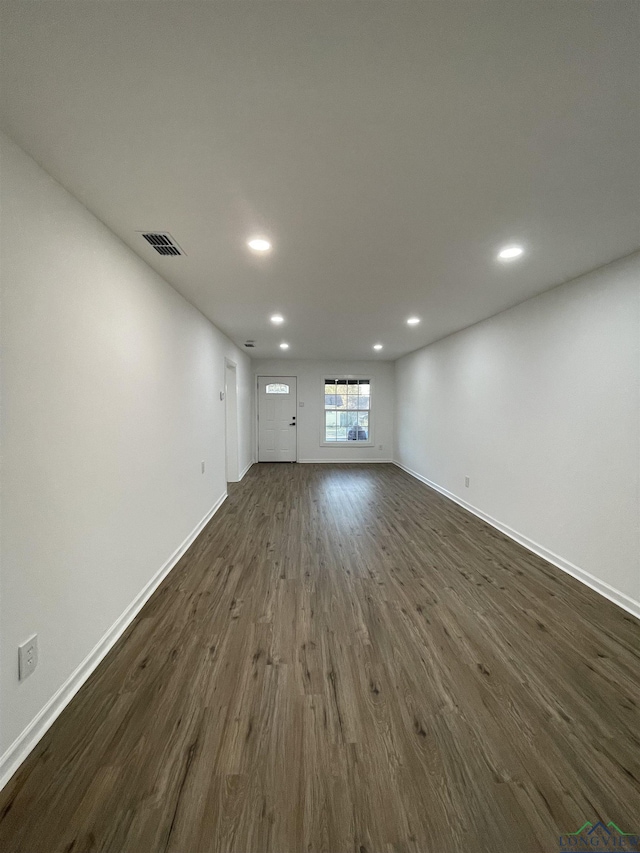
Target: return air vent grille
[{"x": 163, "y": 243}]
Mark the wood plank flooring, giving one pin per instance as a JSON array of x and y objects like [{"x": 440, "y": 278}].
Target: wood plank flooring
[{"x": 345, "y": 661}]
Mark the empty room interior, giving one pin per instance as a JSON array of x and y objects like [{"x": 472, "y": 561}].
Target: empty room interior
[{"x": 320, "y": 426}]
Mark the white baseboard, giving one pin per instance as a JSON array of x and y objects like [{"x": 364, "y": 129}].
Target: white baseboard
[
  {"x": 620, "y": 598},
  {"x": 27, "y": 740},
  {"x": 342, "y": 461},
  {"x": 245, "y": 469}
]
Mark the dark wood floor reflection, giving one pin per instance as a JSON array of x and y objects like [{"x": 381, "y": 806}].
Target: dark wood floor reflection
[{"x": 345, "y": 661}]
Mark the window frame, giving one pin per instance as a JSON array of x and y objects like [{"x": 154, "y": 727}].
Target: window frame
[
  {"x": 370, "y": 440},
  {"x": 276, "y": 393}
]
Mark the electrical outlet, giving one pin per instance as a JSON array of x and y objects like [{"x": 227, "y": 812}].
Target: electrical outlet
[
  {"x": 379, "y": 447},
  {"x": 301, "y": 405},
  {"x": 27, "y": 657},
  {"x": 466, "y": 482},
  {"x": 203, "y": 466}
]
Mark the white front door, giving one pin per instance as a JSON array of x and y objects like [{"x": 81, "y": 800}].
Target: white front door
[{"x": 277, "y": 410}]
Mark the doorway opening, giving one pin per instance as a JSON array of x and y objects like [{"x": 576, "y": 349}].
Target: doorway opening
[{"x": 231, "y": 421}]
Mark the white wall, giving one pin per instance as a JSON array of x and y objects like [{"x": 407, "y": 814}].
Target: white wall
[
  {"x": 110, "y": 401},
  {"x": 310, "y": 376},
  {"x": 540, "y": 407}
]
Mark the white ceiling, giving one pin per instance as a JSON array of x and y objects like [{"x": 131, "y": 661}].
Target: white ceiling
[{"x": 388, "y": 149}]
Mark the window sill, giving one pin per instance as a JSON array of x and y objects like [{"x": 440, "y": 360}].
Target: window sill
[{"x": 347, "y": 444}]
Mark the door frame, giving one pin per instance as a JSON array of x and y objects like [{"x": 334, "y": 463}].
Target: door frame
[
  {"x": 256, "y": 392},
  {"x": 229, "y": 364}
]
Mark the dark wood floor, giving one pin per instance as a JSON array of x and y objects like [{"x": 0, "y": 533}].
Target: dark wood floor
[{"x": 345, "y": 661}]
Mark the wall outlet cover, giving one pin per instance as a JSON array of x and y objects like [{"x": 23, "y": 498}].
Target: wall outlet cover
[{"x": 27, "y": 657}]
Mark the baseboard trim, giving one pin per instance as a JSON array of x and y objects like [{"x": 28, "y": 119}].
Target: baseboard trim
[
  {"x": 244, "y": 470},
  {"x": 620, "y": 598},
  {"x": 29, "y": 738},
  {"x": 342, "y": 461}
]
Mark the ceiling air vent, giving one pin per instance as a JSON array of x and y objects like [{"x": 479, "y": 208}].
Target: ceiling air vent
[
  {"x": 250, "y": 344},
  {"x": 162, "y": 242}
]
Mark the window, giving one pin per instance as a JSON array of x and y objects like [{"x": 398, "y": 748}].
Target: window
[
  {"x": 277, "y": 388},
  {"x": 347, "y": 410}
]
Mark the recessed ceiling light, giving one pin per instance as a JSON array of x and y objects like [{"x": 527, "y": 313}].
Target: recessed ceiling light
[
  {"x": 413, "y": 321},
  {"x": 277, "y": 318},
  {"x": 377, "y": 346},
  {"x": 510, "y": 253},
  {"x": 259, "y": 244},
  {"x": 284, "y": 346}
]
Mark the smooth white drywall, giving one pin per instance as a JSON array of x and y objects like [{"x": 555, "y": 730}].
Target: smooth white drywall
[
  {"x": 540, "y": 407},
  {"x": 110, "y": 402},
  {"x": 310, "y": 375}
]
